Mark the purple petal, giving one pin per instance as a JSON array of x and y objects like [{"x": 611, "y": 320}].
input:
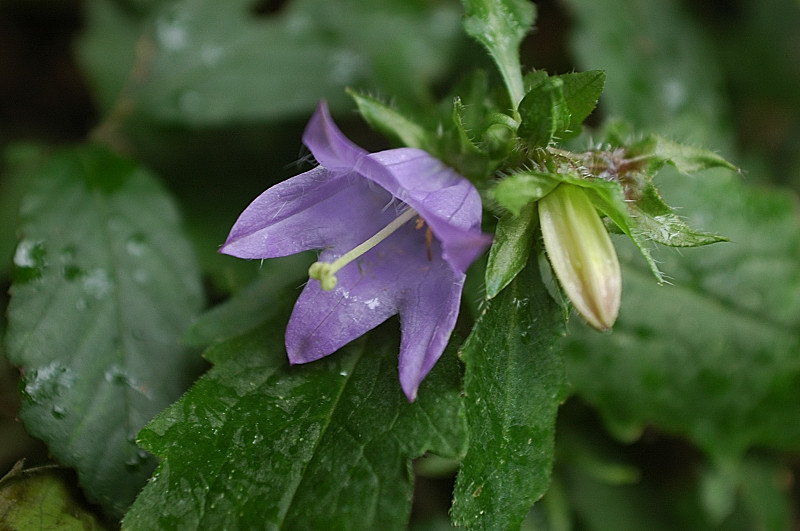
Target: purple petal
[
  {"x": 447, "y": 202},
  {"x": 314, "y": 210},
  {"x": 427, "y": 316},
  {"x": 329, "y": 146},
  {"x": 368, "y": 292},
  {"x": 324, "y": 321}
]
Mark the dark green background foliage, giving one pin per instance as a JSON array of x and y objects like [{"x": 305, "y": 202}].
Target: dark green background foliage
[{"x": 133, "y": 133}]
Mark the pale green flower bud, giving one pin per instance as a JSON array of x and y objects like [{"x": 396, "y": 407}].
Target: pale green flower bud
[{"x": 581, "y": 253}]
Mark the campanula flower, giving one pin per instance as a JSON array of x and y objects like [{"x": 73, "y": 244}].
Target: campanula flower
[{"x": 396, "y": 231}]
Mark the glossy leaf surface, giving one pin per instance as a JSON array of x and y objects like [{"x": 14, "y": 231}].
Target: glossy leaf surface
[
  {"x": 514, "y": 383},
  {"x": 259, "y": 444},
  {"x": 104, "y": 286}
]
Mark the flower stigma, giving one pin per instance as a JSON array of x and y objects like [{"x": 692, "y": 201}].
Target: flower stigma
[{"x": 325, "y": 272}]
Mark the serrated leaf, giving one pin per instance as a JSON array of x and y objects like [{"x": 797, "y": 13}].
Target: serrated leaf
[
  {"x": 511, "y": 247},
  {"x": 104, "y": 286},
  {"x": 207, "y": 66},
  {"x": 513, "y": 385},
  {"x": 500, "y": 26},
  {"x": 544, "y": 113},
  {"x": 581, "y": 91},
  {"x": 391, "y": 122},
  {"x": 257, "y": 444}
]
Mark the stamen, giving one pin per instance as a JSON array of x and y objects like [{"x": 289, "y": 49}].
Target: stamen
[
  {"x": 428, "y": 237},
  {"x": 325, "y": 272}
]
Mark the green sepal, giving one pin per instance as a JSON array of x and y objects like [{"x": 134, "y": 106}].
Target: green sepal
[
  {"x": 391, "y": 122},
  {"x": 461, "y": 120},
  {"x": 656, "y": 221},
  {"x": 609, "y": 198},
  {"x": 518, "y": 190},
  {"x": 686, "y": 159},
  {"x": 656, "y": 151},
  {"x": 461, "y": 151},
  {"x": 512, "y": 244},
  {"x": 499, "y": 137}
]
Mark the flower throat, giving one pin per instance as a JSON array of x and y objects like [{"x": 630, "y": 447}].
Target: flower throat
[{"x": 325, "y": 272}]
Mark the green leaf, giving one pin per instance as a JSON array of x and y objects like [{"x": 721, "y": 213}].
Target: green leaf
[
  {"x": 207, "y": 66},
  {"x": 19, "y": 162},
  {"x": 609, "y": 199},
  {"x": 257, "y": 444},
  {"x": 653, "y": 220},
  {"x": 391, "y": 122},
  {"x": 104, "y": 286},
  {"x": 519, "y": 189},
  {"x": 581, "y": 91},
  {"x": 763, "y": 492},
  {"x": 500, "y": 26},
  {"x": 513, "y": 240},
  {"x": 107, "y": 49},
  {"x": 41, "y": 498},
  {"x": 514, "y": 383},
  {"x": 251, "y": 306},
  {"x": 661, "y": 71},
  {"x": 544, "y": 113}
]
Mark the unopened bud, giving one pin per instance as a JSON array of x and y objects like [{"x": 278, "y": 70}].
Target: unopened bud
[{"x": 581, "y": 253}]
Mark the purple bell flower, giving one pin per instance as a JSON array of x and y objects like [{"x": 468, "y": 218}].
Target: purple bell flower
[{"x": 397, "y": 231}]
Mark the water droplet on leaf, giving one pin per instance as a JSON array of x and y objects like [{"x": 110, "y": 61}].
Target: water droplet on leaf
[
  {"x": 136, "y": 245},
  {"x": 30, "y": 261},
  {"x": 97, "y": 284}
]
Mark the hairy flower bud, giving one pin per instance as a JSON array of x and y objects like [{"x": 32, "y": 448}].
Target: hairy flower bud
[{"x": 581, "y": 253}]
